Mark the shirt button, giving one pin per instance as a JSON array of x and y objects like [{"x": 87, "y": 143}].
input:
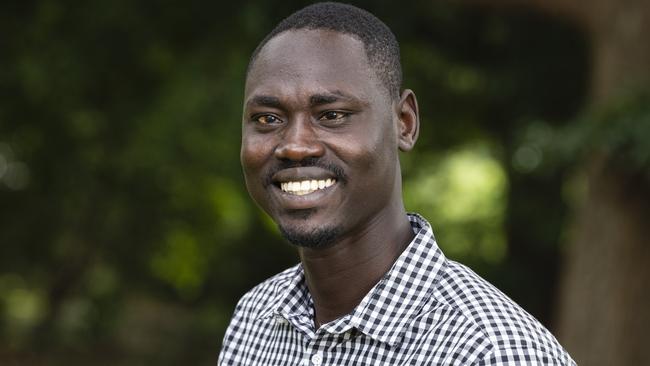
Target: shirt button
[
  {"x": 317, "y": 359},
  {"x": 280, "y": 319}
]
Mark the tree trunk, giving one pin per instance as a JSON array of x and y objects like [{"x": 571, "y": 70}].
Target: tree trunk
[
  {"x": 604, "y": 311},
  {"x": 605, "y": 302}
]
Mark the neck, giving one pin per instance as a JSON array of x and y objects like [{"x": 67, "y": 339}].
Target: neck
[{"x": 340, "y": 275}]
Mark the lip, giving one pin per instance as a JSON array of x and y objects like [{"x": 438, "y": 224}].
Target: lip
[
  {"x": 302, "y": 173},
  {"x": 318, "y": 198}
]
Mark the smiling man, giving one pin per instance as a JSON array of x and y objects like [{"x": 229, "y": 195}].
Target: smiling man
[{"x": 324, "y": 120}]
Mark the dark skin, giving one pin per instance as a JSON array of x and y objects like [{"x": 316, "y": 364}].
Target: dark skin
[{"x": 311, "y": 96}]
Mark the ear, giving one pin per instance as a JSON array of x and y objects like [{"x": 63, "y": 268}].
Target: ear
[{"x": 408, "y": 120}]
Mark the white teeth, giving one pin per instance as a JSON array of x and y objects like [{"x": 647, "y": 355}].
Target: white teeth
[{"x": 304, "y": 187}]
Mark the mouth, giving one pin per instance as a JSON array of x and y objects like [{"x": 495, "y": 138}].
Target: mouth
[{"x": 305, "y": 187}]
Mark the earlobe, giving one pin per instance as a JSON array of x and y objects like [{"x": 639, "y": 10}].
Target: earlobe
[{"x": 409, "y": 120}]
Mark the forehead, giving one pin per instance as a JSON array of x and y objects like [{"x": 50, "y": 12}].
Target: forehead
[{"x": 311, "y": 60}]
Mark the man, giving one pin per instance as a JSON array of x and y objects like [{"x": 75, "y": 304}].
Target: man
[{"x": 323, "y": 122}]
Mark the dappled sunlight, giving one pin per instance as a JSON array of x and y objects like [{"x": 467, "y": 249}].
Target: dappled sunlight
[
  {"x": 462, "y": 193},
  {"x": 14, "y": 174},
  {"x": 231, "y": 207},
  {"x": 180, "y": 262},
  {"x": 22, "y": 307}
]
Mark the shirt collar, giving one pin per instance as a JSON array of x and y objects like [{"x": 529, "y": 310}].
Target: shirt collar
[
  {"x": 389, "y": 307},
  {"x": 386, "y": 311}
]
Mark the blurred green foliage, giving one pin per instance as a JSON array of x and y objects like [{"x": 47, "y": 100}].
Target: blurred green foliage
[
  {"x": 126, "y": 233},
  {"x": 619, "y": 129},
  {"x": 463, "y": 192}
]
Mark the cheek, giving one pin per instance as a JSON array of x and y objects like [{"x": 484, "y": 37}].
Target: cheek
[
  {"x": 252, "y": 157},
  {"x": 254, "y": 151},
  {"x": 252, "y": 162},
  {"x": 369, "y": 165},
  {"x": 374, "y": 152},
  {"x": 248, "y": 157},
  {"x": 376, "y": 162}
]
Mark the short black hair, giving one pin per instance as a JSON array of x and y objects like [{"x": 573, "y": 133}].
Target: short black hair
[{"x": 381, "y": 47}]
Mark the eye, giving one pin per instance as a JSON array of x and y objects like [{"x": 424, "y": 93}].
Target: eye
[
  {"x": 266, "y": 119},
  {"x": 332, "y": 116}
]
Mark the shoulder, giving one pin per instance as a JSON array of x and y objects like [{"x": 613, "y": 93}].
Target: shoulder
[
  {"x": 245, "y": 323},
  {"x": 262, "y": 297},
  {"x": 514, "y": 335},
  {"x": 524, "y": 357}
]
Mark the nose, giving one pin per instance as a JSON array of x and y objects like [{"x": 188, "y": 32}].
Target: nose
[{"x": 299, "y": 141}]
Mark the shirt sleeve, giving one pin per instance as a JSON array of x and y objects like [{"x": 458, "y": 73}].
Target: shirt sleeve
[
  {"x": 524, "y": 357},
  {"x": 232, "y": 338}
]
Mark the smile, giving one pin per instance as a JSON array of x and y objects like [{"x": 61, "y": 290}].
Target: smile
[{"x": 301, "y": 188}]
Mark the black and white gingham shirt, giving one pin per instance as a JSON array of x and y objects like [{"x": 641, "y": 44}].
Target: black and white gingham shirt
[{"x": 427, "y": 310}]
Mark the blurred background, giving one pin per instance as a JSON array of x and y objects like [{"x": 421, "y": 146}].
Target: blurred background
[{"x": 126, "y": 233}]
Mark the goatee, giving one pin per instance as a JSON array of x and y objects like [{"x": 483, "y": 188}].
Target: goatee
[{"x": 316, "y": 238}]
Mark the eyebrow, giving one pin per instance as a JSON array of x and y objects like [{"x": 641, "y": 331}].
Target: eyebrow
[
  {"x": 330, "y": 97},
  {"x": 265, "y": 101},
  {"x": 321, "y": 99},
  {"x": 315, "y": 100}
]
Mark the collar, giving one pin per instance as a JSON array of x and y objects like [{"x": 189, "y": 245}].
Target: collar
[{"x": 387, "y": 310}]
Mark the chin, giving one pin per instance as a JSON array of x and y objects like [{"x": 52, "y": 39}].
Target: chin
[{"x": 320, "y": 237}]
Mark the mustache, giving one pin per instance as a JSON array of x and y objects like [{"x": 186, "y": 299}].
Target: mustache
[{"x": 336, "y": 170}]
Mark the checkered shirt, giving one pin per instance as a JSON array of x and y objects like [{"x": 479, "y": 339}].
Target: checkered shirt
[{"x": 426, "y": 310}]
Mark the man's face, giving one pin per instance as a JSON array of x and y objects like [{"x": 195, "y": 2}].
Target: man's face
[{"x": 319, "y": 143}]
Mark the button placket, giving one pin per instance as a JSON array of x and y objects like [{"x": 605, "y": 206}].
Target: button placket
[
  {"x": 317, "y": 359},
  {"x": 280, "y": 320}
]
